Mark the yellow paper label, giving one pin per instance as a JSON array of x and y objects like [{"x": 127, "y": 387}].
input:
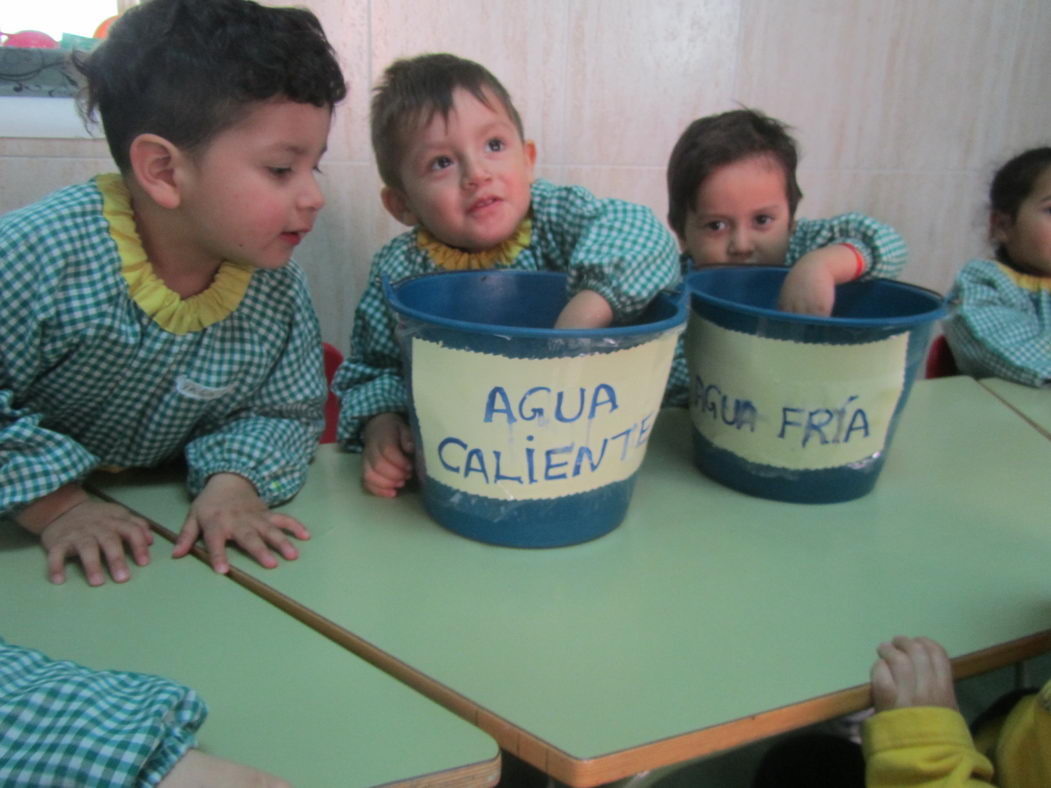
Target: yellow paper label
[
  {"x": 519, "y": 429},
  {"x": 790, "y": 404}
]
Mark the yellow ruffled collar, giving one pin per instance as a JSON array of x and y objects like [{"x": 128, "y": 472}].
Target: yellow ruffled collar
[
  {"x": 166, "y": 308},
  {"x": 1030, "y": 282},
  {"x": 452, "y": 259}
]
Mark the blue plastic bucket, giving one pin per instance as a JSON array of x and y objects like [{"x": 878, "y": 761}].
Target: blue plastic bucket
[
  {"x": 527, "y": 436},
  {"x": 793, "y": 407}
]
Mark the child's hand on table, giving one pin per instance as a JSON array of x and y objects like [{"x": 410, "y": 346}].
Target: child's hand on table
[
  {"x": 92, "y": 531},
  {"x": 912, "y": 672},
  {"x": 387, "y": 456},
  {"x": 810, "y": 286},
  {"x": 229, "y": 508}
]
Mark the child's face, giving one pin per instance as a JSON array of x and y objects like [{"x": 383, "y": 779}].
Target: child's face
[
  {"x": 252, "y": 195},
  {"x": 1028, "y": 237},
  {"x": 465, "y": 178},
  {"x": 740, "y": 215}
]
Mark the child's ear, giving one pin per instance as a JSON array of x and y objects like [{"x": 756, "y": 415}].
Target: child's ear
[
  {"x": 999, "y": 226},
  {"x": 154, "y": 162},
  {"x": 397, "y": 205},
  {"x": 529, "y": 148}
]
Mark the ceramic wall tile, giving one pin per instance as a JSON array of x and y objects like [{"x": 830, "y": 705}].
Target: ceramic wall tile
[
  {"x": 639, "y": 72},
  {"x": 27, "y": 179},
  {"x": 522, "y": 44},
  {"x": 346, "y": 24},
  {"x": 642, "y": 185},
  {"x": 1024, "y": 107},
  {"x": 940, "y": 214},
  {"x": 880, "y": 83},
  {"x": 336, "y": 255}
]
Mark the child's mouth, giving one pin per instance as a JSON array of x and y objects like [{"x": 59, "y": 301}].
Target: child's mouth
[
  {"x": 292, "y": 238},
  {"x": 482, "y": 204}
]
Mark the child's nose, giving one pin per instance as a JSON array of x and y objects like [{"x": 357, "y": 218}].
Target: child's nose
[
  {"x": 312, "y": 198},
  {"x": 741, "y": 241},
  {"x": 475, "y": 172}
]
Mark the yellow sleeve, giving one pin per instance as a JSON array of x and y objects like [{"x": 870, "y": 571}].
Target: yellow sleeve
[
  {"x": 1023, "y": 752},
  {"x": 922, "y": 746}
]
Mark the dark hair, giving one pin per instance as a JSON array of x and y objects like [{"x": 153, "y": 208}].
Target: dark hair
[
  {"x": 188, "y": 69},
  {"x": 412, "y": 90},
  {"x": 1012, "y": 184},
  {"x": 716, "y": 140}
]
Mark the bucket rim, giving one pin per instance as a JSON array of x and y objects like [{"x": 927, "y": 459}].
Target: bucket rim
[
  {"x": 904, "y": 321},
  {"x": 675, "y": 296}
]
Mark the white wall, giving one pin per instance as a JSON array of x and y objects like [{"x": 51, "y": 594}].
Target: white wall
[{"x": 903, "y": 108}]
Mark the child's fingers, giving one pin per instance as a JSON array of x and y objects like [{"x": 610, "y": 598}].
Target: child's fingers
[
  {"x": 278, "y": 540},
  {"x": 407, "y": 444},
  {"x": 56, "y": 564},
  {"x": 884, "y": 691},
  {"x": 287, "y": 522},
  {"x": 90, "y": 559},
  {"x": 252, "y": 543},
  {"x": 187, "y": 536},
  {"x": 139, "y": 539},
  {"x": 112, "y": 548},
  {"x": 215, "y": 543}
]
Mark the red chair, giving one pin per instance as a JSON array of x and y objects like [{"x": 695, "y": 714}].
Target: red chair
[
  {"x": 940, "y": 362},
  {"x": 333, "y": 358}
]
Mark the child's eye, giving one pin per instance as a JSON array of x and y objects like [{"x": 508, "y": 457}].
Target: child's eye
[
  {"x": 441, "y": 163},
  {"x": 495, "y": 145},
  {"x": 714, "y": 226},
  {"x": 280, "y": 172},
  {"x": 764, "y": 219}
]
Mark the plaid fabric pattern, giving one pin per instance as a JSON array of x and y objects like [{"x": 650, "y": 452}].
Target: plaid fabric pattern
[
  {"x": 884, "y": 250},
  {"x": 66, "y": 725},
  {"x": 616, "y": 248},
  {"x": 999, "y": 323},
  {"x": 88, "y": 379}
]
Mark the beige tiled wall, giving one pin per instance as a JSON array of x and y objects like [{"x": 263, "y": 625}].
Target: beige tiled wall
[{"x": 903, "y": 108}]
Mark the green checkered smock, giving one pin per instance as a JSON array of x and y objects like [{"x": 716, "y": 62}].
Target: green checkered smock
[
  {"x": 884, "y": 250},
  {"x": 999, "y": 323},
  {"x": 62, "y": 724},
  {"x": 616, "y": 248},
  {"x": 88, "y": 379}
]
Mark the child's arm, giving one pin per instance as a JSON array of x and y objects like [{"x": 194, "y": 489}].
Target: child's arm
[
  {"x": 149, "y": 737},
  {"x": 587, "y": 309},
  {"x": 616, "y": 249},
  {"x": 810, "y": 286},
  {"x": 917, "y": 736},
  {"x": 387, "y": 454},
  {"x": 70, "y": 523},
  {"x": 994, "y": 326},
  {"x": 857, "y": 246},
  {"x": 370, "y": 382},
  {"x": 259, "y": 456}
]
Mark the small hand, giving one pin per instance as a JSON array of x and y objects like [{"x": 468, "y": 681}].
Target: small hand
[
  {"x": 93, "y": 530},
  {"x": 912, "y": 672},
  {"x": 387, "y": 463},
  {"x": 810, "y": 286},
  {"x": 229, "y": 508}
]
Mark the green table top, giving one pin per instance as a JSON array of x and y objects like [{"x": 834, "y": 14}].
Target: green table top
[
  {"x": 1032, "y": 403},
  {"x": 281, "y": 697},
  {"x": 708, "y": 618}
]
